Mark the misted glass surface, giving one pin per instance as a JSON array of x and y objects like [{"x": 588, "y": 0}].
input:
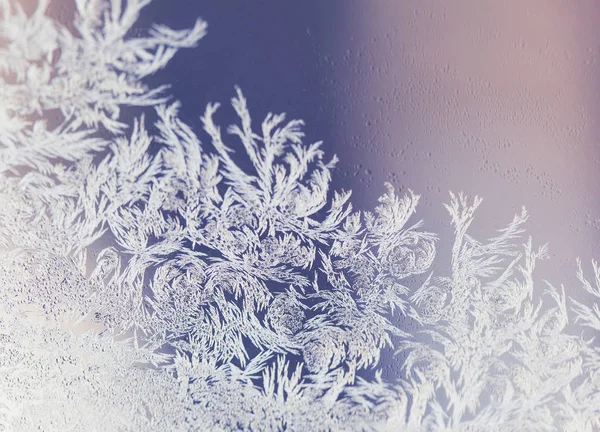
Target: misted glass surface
[{"x": 409, "y": 247}]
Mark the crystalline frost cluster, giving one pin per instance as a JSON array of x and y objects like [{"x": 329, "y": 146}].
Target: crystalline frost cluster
[{"x": 157, "y": 277}]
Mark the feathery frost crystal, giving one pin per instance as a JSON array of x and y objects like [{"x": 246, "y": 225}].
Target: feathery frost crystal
[{"x": 157, "y": 277}]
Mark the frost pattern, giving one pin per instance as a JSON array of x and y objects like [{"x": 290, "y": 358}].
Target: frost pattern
[{"x": 154, "y": 281}]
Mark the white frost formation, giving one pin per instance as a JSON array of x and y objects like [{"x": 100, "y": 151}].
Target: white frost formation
[{"x": 152, "y": 282}]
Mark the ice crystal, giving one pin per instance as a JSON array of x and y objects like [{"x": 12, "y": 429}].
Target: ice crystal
[{"x": 158, "y": 277}]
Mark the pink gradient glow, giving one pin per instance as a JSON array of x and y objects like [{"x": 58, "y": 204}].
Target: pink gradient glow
[{"x": 498, "y": 99}]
